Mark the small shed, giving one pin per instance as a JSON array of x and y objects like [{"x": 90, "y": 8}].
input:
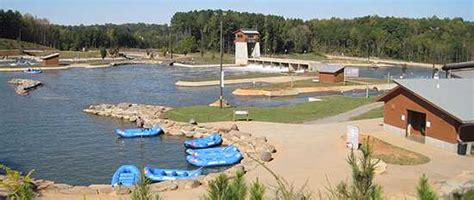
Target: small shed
[
  {"x": 437, "y": 112},
  {"x": 51, "y": 59},
  {"x": 331, "y": 73},
  {"x": 246, "y": 35}
]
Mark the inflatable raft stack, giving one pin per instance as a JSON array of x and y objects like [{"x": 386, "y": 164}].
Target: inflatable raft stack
[{"x": 204, "y": 152}]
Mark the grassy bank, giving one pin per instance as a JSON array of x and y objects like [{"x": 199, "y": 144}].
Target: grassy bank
[
  {"x": 9, "y": 44},
  {"x": 284, "y": 114},
  {"x": 375, "y": 113},
  {"x": 233, "y": 77},
  {"x": 80, "y": 54},
  {"x": 311, "y": 83}
]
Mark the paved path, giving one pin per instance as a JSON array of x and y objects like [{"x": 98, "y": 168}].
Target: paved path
[{"x": 347, "y": 115}]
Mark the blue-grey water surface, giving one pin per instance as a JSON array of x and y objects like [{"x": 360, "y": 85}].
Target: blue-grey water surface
[{"x": 47, "y": 130}]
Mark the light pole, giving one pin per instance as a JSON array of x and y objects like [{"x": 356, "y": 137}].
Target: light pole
[{"x": 221, "y": 97}]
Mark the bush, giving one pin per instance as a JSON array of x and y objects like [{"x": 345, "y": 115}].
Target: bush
[
  {"x": 141, "y": 191},
  {"x": 103, "y": 53},
  {"x": 225, "y": 188},
  {"x": 19, "y": 187},
  {"x": 362, "y": 186},
  {"x": 257, "y": 190},
  {"x": 424, "y": 190}
]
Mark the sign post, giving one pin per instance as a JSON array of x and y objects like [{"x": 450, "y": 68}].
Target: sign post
[{"x": 352, "y": 137}]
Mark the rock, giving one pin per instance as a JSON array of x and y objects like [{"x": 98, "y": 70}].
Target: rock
[
  {"x": 210, "y": 177},
  {"x": 188, "y": 128},
  {"x": 201, "y": 130},
  {"x": 198, "y": 135},
  {"x": 79, "y": 190},
  {"x": 187, "y": 184},
  {"x": 189, "y": 134},
  {"x": 24, "y": 85},
  {"x": 102, "y": 189},
  {"x": 462, "y": 182},
  {"x": 163, "y": 186},
  {"x": 381, "y": 167},
  {"x": 43, "y": 184},
  {"x": 261, "y": 139},
  {"x": 61, "y": 186},
  {"x": 124, "y": 106},
  {"x": 193, "y": 121},
  {"x": 266, "y": 156},
  {"x": 175, "y": 132},
  {"x": 122, "y": 190},
  {"x": 234, "y": 127}
]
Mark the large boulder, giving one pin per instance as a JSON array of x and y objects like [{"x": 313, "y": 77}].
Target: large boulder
[{"x": 265, "y": 156}]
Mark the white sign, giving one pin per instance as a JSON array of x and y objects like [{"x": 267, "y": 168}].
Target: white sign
[
  {"x": 428, "y": 124},
  {"x": 222, "y": 79},
  {"x": 403, "y": 117},
  {"x": 352, "y": 137},
  {"x": 351, "y": 72}
]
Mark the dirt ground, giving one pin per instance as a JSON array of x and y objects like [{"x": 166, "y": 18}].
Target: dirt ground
[{"x": 316, "y": 155}]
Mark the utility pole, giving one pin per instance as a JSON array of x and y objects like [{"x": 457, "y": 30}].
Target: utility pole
[{"x": 221, "y": 97}]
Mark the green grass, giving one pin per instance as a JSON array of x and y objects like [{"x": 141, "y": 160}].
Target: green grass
[
  {"x": 80, "y": 54},
  {"x": 8, "y": 44},
  {"x": 233, "y": 77},
  {"x": 298, "y": 113},
  {"x": 375, "y": 113}
]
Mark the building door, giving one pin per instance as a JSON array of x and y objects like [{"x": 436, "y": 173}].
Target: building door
[{"x": 416, "y": 126}]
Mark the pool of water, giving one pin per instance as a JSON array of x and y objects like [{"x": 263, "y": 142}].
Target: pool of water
[{"x": 47, "y": 130}]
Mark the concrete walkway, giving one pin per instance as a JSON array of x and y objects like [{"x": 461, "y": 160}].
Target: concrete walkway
[{"x": 347, "y": 115}]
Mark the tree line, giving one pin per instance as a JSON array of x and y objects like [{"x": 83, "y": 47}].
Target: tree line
[{"x": 425, "y": 39}]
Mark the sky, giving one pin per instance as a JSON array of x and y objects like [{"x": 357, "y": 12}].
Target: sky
[{"x": 69, "y": 12}]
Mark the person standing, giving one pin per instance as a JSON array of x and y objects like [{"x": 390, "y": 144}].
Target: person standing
[{"x": 140, "y": 122}]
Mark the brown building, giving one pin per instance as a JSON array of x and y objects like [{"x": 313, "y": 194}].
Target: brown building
[
  {"x": 246, "y": 35},
  {"x": 438, "y": 112},
  {"x": 246, "y": 45},
  {"x": 51, "y": 60},
  {"x": 331, "y": 73}
]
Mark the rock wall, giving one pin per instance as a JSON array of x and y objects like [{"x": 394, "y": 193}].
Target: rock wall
[
  {"x": 251, "y": 147},
  {"x": 24, "y": 85}
]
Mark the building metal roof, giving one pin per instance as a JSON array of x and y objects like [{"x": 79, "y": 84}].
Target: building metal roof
[
  {"x": 453, "y": 96},
  {"x": 331, "y": 68},
  {"x": 50, "y": 56},
  {"x": 248, "y": 31}
]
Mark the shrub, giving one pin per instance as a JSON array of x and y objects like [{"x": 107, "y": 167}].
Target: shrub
[
  {"x": 424, "y": 190},
  {"x": 257, "y": 190},
  {"x": 141, "y": 190},
  {"x": 19, "y": 187},
  {"x": 362, "y": 186},
  {"x": 103, "y": 53}
]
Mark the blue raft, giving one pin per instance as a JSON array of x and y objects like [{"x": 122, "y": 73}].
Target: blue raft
[
  {"x": 214, "y": 160},
  {"x": 205, "y": 142},
  {"x": 33, "y": 71},
  {"x": 212, "y": 151},
  {"x": 157, "y": 174},
  {"x": 126, "y": 175},
  {"x": 138, "y": 132}
]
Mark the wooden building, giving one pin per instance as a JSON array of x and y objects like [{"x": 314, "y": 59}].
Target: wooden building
[
  {"x": 51, "y": 60},
  {"x": 247, "y": 45},
  {"x": 438, "y": 112},
  {"x": 331, "y": 73}
]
